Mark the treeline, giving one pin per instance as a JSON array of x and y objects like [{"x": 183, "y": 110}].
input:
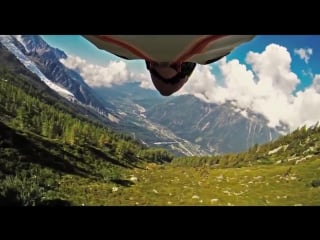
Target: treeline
[
  {"x": 27, "y": 112},
  {"x": 301, "y": 143}
]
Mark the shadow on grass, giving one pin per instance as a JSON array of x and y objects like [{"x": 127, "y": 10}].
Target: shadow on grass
[
  {"x": 20, "y": 149},
  {"x": 34, "y": 149},
  {"x": 122, "y": 182},
  {"x": 55, "y": 203},
  {"x": 104, "y": 156},
  {"x": 13, "y": 198}
]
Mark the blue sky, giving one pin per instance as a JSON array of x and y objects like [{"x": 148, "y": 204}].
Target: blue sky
[{"x": 78, "y": 46}]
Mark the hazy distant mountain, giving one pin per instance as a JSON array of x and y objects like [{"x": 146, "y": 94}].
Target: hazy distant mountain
[
  {"x": 210, "y": 128},
  {"x": 217, "y": 128}
]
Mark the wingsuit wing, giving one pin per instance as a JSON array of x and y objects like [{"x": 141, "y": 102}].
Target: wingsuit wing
[{"x": 201, "y": 49}]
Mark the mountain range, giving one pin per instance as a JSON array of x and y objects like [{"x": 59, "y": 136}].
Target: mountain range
[{"x": 184, "y": 124}]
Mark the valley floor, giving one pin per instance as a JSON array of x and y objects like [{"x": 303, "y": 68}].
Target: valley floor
[{"x": 167, "y": 185}]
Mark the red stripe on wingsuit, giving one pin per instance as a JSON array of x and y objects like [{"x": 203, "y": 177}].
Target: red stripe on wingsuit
[
  {"x": 126, "y": 46},
  {"x": 198, "y": 47}
]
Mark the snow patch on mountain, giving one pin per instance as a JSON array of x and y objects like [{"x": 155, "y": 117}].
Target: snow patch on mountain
[
  {"x": 7, "y": 42},
  {"x": 19, "y": 38}
]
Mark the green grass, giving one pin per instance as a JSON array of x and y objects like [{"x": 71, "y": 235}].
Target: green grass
[{"x": 170, "y": 185}]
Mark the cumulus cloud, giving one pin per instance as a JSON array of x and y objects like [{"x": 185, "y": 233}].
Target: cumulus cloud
[
  {"x": 114, "y": 73},
  {"x": 304, "y": 53},
  {"x": 266, "y": 87},
  {"x": 200, "y": 82},
  {"x": 316, "y": 83}
]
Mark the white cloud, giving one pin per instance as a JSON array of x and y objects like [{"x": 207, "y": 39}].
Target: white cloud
[
  {"x": 316, "y": 83},
  {"x": 267, "y": 87},
  {"x": 114, "y": 73},
  {"x": 144, "y": 79},
  {"x": 199, "y": 83},
  {"x": 304, "y": 53},
  {"x": 308, "y": 73}
]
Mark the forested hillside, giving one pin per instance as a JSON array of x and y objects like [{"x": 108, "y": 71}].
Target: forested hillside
[{"x": 42, "y": 140}]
